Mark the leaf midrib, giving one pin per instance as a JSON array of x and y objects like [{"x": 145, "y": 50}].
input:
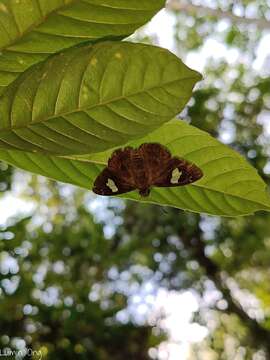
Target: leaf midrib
[
  {"x": 115, "y": 7},
  {"x": 43, "y": 19},
  {"x": 7, "y": 129}
]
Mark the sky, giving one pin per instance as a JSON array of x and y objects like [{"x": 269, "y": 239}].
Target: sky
[{"x": 178, "y": 307}]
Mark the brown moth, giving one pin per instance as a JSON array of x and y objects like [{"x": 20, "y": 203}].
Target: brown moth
[{"x": 149, "y": 165}]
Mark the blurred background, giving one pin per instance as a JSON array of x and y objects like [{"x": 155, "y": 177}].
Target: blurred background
[{"x": 83, "y": 277}]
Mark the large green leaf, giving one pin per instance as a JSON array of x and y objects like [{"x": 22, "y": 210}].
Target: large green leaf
[
  {"x": 229, "y": 187},
  {"x": 33, "y": 29},
  {"x": 92, "y": 98}
]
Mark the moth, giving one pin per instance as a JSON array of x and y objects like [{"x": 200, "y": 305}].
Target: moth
[{"x": 149, "y": 165}]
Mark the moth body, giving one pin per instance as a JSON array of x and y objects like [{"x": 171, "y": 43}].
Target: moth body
[{"x": 139, "y": 172}]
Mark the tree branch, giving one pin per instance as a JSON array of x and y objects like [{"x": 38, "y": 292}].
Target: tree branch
[
  {"x": 179, "y": 5},
  {"x": 197, "y": 246}
]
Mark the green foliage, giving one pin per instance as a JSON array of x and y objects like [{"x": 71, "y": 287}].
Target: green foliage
[
  {"x": 95, "y": 97},
  {"x": 33, "y": 30},
  {"x": 92, "y": 98},
  {"x": 224, "y": 261},
  {"x": 230, "y": 186},
  {"x": 59, "y": 307}
]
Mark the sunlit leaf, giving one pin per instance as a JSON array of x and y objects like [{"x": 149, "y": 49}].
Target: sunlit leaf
[
  {"x": 229, "y": 187},
  {"x": 93, "y": 98},
  {"x": 32, "y": 30}
]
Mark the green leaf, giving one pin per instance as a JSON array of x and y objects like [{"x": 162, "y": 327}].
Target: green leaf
[
  {"x": 92, "y": 98},
  {"x": 32, "y": 30},
  {"x": 229, "y": 187}
]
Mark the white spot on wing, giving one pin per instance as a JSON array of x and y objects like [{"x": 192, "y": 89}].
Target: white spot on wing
[
  {"x": 112, "y": 186},
  {"x": 175, "y": 176}
]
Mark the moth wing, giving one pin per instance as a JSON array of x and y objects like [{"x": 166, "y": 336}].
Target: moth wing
[
  {"x": 157, "y": 158},
  {"x": 179, "y": 172},
  {"x": 108, "y": 184},
  {"x": 120, "y": 164}
]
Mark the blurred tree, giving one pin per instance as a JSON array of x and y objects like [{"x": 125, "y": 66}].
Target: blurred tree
[
  {"x": 63, "y": 283},
  {"x": 233, "y": 104},
  {"x": 5, "y": 177},
  {"x": 56, "y": 293}
]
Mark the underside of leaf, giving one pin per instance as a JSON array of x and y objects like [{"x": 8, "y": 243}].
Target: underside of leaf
[
  {"x": 32, "y": 30},
  {"x": 93, "y": 98},
  {"x": 229, "y": 187}
]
